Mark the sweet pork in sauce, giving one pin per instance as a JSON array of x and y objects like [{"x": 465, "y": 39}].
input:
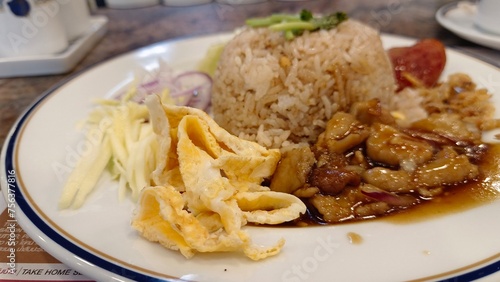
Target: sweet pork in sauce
[{"x": 364, "y": 165}]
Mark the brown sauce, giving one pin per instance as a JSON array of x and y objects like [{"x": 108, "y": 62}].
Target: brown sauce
[
  {"x": 456, "y": 199},
  {"x": 459, "y": 198},
  {"x": 354, "y": 238}
]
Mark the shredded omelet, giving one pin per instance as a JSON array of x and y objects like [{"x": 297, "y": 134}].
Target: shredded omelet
[{"x": 207, "y": 186}]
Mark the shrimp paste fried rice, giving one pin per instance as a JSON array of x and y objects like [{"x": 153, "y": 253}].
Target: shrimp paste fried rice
[{"x": 280, "y": 92}]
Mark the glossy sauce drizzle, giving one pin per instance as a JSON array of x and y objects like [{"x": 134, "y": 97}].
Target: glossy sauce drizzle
[
  {"x": 458, "y": 198},
  {"x": 354, "y": 238},
  {"x": 462, "y": 197}
]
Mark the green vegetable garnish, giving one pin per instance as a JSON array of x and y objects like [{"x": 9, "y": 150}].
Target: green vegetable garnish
[
  {"x": 295, "y": 25},
  {"x": 306, "y": 15}
]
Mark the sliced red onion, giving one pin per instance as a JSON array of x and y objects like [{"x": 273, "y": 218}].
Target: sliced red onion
[
  {"x": 190, "y": 80},
  {"x": 198, "y": 85},
  {"x": 183, "y": 98},
  {"x": 144, "y": 90},
  {"x": 191, "y": 88},
  {"x": 151, "y": 85},
  {"x": 148, "y": 82},
  {"x": 201, "y": 97},
  {"x": 198, "y": 97},
  {"x": 387, "y": 197}
]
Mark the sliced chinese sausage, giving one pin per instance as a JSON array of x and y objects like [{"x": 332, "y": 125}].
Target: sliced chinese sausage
[{"x": 423, "y": 61}]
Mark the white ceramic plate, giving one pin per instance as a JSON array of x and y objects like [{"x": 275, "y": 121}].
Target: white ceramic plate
[
  {"x": 97, "y": 240},
  {"x": 459, "y": 19}
]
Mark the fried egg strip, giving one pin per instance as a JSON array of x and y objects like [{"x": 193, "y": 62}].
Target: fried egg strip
[{"x": 208, "y": 187}]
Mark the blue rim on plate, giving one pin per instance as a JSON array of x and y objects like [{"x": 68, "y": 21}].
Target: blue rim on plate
[{"x": 42, "y": 226}]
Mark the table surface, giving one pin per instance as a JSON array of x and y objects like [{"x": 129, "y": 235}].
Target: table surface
[{"x": 129, "y": 29}]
